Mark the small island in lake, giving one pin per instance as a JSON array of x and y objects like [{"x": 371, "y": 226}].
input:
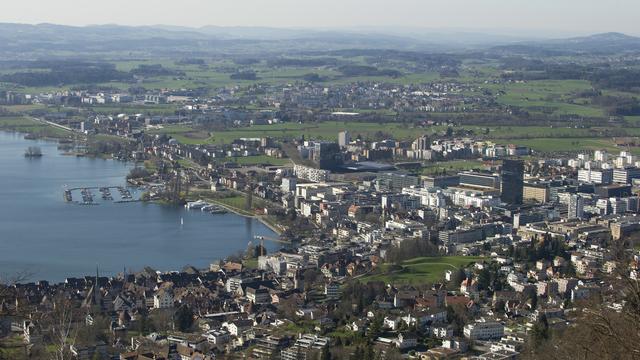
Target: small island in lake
[{"x": 33, "y": 151}]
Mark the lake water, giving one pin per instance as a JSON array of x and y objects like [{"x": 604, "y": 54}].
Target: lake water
[{"x": 51, "y": 239}]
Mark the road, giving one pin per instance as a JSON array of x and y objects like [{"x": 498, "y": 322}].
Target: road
[{"x": 53, "y": 124}]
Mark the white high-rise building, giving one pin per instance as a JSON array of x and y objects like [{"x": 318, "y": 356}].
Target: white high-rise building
[
  {"x": 604, "y": 176},
  {"x": 601, "y": 155},
  {"x": 344, "y": 138}
]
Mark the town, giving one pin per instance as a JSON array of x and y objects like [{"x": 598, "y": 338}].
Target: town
[
  {"x": 383, "y": 258},
  {"x": 400, "y": 199}
]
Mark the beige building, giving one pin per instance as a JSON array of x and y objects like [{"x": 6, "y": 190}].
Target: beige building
[{"x": 537, "y": 192}]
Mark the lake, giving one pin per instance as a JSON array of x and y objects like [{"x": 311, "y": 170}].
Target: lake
[{"x": 45, "y": 236}]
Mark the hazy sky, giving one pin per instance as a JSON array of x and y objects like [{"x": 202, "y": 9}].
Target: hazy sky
[{"x": 573, "y": 16}]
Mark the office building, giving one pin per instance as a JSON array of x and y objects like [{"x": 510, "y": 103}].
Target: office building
[
  {"x": 394, "y": 181},
  {"x": 539, "y": 192},
  {"x": 421, "y": 143},
  {"x": 288, "y": 184},
  {"x": 576, "y": 207},
  {"x": 327, "y": 155},
  {"x": 344, "y": 138},
  {"x": 443, "y": 181},
  {"x": 512, "y": 179},
  {"x": 479, "y": 179},
  {"x": 626, "y": 175},
  {"x": 613, "y": 190},
  {"x": 604, "y": 176}
]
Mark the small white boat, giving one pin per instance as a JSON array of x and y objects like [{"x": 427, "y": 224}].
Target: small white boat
[
  {"x": 208, "y": 207},
  {"x": 195, "y": 205}
]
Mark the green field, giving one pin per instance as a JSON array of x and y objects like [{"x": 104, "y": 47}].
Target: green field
[
  {"x": 538, "y": 97},
  {"x": 27, "y": 125},
  {"x": 22, "y": 108},
  {"x": 422, "y": 270},
  {"x": 538, "y": 138},
  {"x": 556, "y": 97},
  {"x": 451, "y": 166},
  {"x": 321, "y": 131},
  {"x": 151, "y": 109},
  {"x": 216, "y": 74},
  {"x": 568, "y": 144}
]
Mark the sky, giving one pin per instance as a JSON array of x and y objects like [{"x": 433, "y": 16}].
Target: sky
[{"x": 524, "y": 16}]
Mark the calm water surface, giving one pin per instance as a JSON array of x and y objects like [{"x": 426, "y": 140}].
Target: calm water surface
[{"x": 51, "y": 239}]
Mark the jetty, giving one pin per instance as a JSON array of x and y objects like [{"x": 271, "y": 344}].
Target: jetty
[{"x": 106, "y": 194}]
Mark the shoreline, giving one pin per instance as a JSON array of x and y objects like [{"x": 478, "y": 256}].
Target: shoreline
[
  {"x": 60, "y": 279},
  {"x": 238, "y": 212},
  {"x": 108, "y": 157}
]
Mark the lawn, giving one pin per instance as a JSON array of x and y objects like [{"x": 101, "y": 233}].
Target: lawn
[
  {"x": 422, "y": 270},
  {"x": 236, "y": 201}
]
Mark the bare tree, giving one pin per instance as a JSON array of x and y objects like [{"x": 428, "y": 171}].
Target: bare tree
[
  {"x": 8, "y": 281},
  {"x": 62, "y": 331}
]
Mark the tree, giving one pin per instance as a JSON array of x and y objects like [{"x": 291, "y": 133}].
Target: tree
[
  {"x": 310, "y": 277},
  {"x": 184, "y": 318},
  {"x": 325, "y": 354},
  {"x": 457, "y": 277},
  {"x": 484, "y": 278},
  {"x": 259, "y": 251},
  {"x": 61, "y": 325},
  {"x": 144, "y": 325},
  {"x": 358, "y": 354},
  {"x": 540, "y": 331},
  {"x": 375, "y": 329}
]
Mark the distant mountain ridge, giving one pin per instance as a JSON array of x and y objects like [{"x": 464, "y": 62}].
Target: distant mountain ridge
[
  {"x": 603, "y": 43},
  {"x": 24, "y": 40}
]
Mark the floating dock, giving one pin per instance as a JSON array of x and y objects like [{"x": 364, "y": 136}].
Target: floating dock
[{"x": 106, "y": 194}]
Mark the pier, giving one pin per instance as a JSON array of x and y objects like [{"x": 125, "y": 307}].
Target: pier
[{"x": 106, "y": 194}]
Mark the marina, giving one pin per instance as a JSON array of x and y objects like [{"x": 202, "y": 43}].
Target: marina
[
  {"x": 132, "y": 234},
  {"x": 124, "y": 195}
]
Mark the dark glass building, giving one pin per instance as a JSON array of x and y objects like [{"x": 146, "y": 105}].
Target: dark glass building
[
  {"x": 327, "y": 155},
  {"x": 511, "y": 186}
]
